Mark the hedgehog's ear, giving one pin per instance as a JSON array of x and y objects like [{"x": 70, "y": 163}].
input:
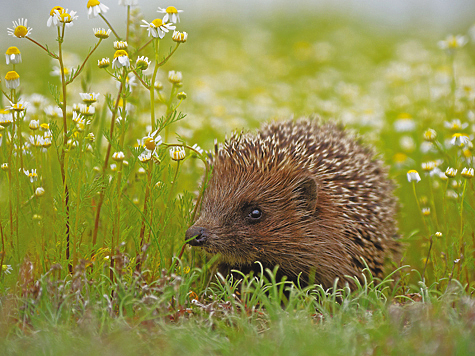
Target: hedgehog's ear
[{"x": 307, "y": 193}]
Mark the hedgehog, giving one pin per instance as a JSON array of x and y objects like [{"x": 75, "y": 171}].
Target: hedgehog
[{"x": 307, "y": 197}]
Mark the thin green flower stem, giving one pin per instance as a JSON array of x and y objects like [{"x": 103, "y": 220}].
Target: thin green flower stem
[
  {"x": 141, "y": 48},
  {"x": 116, "y": 230},
  {"x": 104, "y": 168},
  {"x": 453, "y": 84},
  {"x": 20, "y": 144},
  {"x": 461, "y": 212},
  {"x": 165, "y": 60},
  {"x": 128, "y": 24},
  {"x": 145, "y": 204},
  {"x": 419, "y": 206},
  {"x": 140, "y": 79},
  {"x": 110, "y": 26},
  {"x": 10, "y": 185},
  {"x": 3, "y": 249},
  {"x": 432, "y": 200},
  {"x": 427, "y": 259},
  {"x": 156, "y": 46},
  {"x": 169, "y": 111},
  {"x": 17, "y": 179},
  {"x": 198, "y": 201},
  {"x": 51, "y": 54},
  {"x": 444, "y": 204},
  {"x": 78, "y": 200},
  {"x": 65, "y": 141},
  {"x": 7, "y": 96},
  {"x": 84, "y": 63},
  {"x": 170, "y": 194}
]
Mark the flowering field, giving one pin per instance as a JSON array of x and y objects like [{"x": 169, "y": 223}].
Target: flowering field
[{"x": 102, "y": 157}]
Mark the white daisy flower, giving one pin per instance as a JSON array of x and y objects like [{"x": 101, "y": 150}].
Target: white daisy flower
[
  {"x": 459, "y": 139},
  {"x": 95, "y": 8},
  {"x": 13, "y": 55},
  {"x": 157, "y": 28},
  {"x": 171, "y": 13},
  {"x": 121, "y": 59},
  {"x": 413, "y": 175}
]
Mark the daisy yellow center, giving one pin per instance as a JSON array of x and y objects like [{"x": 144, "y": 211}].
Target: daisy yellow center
[
  {"x": 92, "y": 3},
  {"x": 12, "y": 50},
  {"x": 66, "y": 17},
  {"x": 458, "y": 135},
  {"x": 12, "y": 75},
  {"x": 404, "y": 115},
  {"x": 150, "y": 144},
  {"x": 453, "y": 43},
  {"x": 171, "y": 10},
  {"x": 157, "y": 22},
  {"x": 412, "y": 171},
  {"x": 44, "y": 126},
  {"x": 400, "y": 157},
  {"x": 120, "y": 53},
  {"x": 20, "y": 31},
  {"x": 56, "y": 8}
]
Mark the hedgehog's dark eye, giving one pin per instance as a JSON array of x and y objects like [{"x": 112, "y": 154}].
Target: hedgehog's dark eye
[{"x": 255, "y": 214}]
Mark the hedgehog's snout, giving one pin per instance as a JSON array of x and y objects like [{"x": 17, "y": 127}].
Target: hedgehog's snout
[{"x": 197, "y": 234}]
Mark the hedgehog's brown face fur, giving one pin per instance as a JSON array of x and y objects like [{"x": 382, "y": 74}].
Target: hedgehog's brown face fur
[{"x": 274, "y": 199}]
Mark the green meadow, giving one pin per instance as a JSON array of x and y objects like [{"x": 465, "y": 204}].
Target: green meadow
[{"x": 103, "y": 154}]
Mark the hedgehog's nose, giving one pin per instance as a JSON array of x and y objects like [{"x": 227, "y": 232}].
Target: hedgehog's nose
[{"x": 198, "y": 235}]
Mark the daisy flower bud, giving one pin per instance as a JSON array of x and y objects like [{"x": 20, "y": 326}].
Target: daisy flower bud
[
  {"x": 438, "y": 234},
  {"x": 4, "y": 167},
  {"x": 179, "y": 36},
  {"x": 120, "y": 45},
  {"x": 175, "y": 77},
  {"x": 157, "y": 28},
  {"x": 145, "y": 156},
  {"x": 103, "y": 63},
  {"x": 32, "y": 175},
  {"x": 67, "y": 18},
  {"x": 121, "y": 59},
  {"x": 5, "y": 118},
  {"x": 34, "y": 125},
  {"x": 467, "y": 173},
  {"x": 95, "y": 8},
  {"x": 428, "y": 166},
  {"x": 430, "y": 135},
  {"x": 413, "y": 175},
  {"x": 426, "y": 211},
  {"x": 13, "y": 55},
  {"x": 450, "y": 172},
  {"x": 142, "y": 63},
  {"x": 177, "y": 153},
  {"x": 12, "y": 80},
  {"x": 87, "y": 110},
  {"x": 118, "y": 156},
  {"x": 20, "y": 29},
  {"x": 89, "y": 98},
  {"x": 141, "y": 171},
  {"x": 158, "y": 86},
  {"x": 181, "y": 95},
  {"x": 171, "y": 13},
  {"x": 101, "y": 33},
  {"x": 40, "y": 191}
]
